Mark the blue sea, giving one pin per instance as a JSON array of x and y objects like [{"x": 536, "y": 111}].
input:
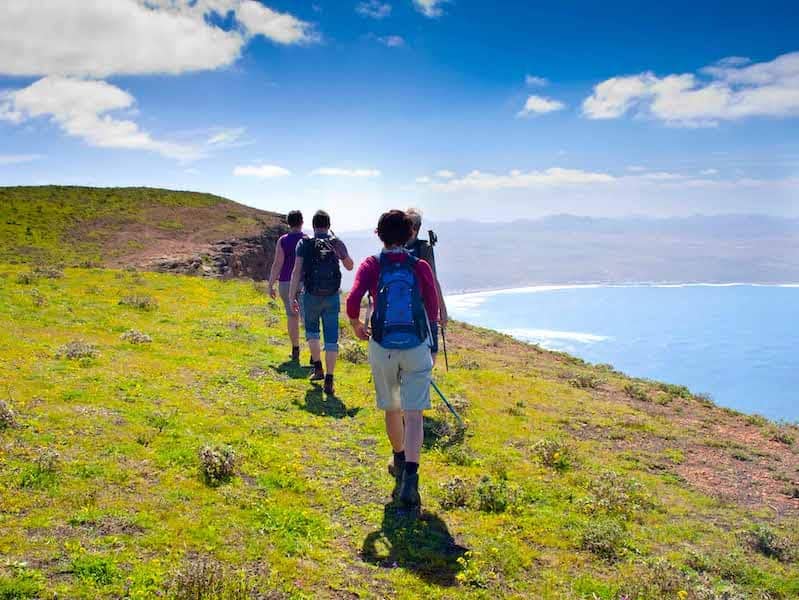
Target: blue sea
[{"x": 737, "y": 343}]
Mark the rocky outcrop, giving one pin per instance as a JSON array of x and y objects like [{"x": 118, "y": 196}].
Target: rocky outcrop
[{"x": 248, "y": 257}]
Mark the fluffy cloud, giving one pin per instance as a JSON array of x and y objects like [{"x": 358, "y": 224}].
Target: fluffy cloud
[
  {"x": 81, "y": 109},
  {"x": 261, "y": 171},
  {"x": 553, "y": 177},
  {"x": 430, "y": 8},
  {"x": 538, "y": 105},
  {"x": 534, "y": 81},
  {"x": 729, "y": 90},
  {"x": 392, "y": 41},
  {"x": 374, "y": 9},
  {"x": 18, "y": 159},
  {"x": 133, "y": 37},
  {"x": 336, "y": 172},
  {"x": 445, "y": 174}
]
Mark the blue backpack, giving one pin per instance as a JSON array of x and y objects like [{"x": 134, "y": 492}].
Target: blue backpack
[{"x": 399, "y": 321}]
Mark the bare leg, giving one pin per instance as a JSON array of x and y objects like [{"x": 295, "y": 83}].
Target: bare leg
[
  {"x": 316, "y": 349},
  {"x": 395, "y": 429},
  {"x": 330, "y": 361},
  {"x": 414, "y": 435},
  {"x": 294, "y": 330}
]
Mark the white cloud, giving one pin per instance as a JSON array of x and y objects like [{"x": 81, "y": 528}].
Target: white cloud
[
  {"x": 373, "y": 9},
  {"x": 534, "y": 81},
  {"x": 336, "y": 172},
  {"x": 82, "y": 109},
  {"x": 221, "y": 138},
  {"x": 636, "y": 168},
  {"x": 709, "y": 172},
  {"x": 423, "y": 180},
  {"x": 18, "y": 159},
  {"x": 261, "y": 171},
  {"x": 538, "y": 105},
  {"x": 732, "y": 90},
  {"x": 133, "y": 37},
  {"x": 430, "y": 8},
  {"x": 392, "y": 41},
  {"x": 445, "y": 174},
  {"x": 553, "y": 177}
]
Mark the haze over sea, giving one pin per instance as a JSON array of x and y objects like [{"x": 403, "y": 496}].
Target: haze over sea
[{"x": 735, "y": 342}]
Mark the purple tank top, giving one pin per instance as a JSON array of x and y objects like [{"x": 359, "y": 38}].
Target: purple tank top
[{"x": 289, "y": 244}]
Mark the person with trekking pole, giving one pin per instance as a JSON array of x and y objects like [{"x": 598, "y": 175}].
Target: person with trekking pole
[
  {"x": 423, "y": 249},
  {"x": 402, "y": 339},
  {"x": 282, "y": 267},
  {"x": 317, "y": 264}
]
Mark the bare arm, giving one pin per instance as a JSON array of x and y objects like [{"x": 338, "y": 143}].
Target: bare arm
[
  {"x": 442, "y": 306},
  {"x": 277, "y": 264},
  {"x": 296, "y": 275},
  {"x": 348, "y": 263}
]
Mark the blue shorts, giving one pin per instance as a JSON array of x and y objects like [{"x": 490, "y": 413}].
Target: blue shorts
[{"x": 326, "y": 309}]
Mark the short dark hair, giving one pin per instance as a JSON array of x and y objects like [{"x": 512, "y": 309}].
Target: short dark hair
[
  {"x": 294, "y": 218},
  {"x": 321, "y": 220},
  {"x": 394, "y": 228}
]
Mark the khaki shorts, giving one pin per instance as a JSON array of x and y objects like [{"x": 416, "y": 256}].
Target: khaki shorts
[
  {"x": 402, "y": 377},
  {"x": 283, "y": 289}
]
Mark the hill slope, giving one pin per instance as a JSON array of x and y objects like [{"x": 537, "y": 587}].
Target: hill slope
[
  {"x": 118, "y": 226},
  {"x": 571, "y": 481}
]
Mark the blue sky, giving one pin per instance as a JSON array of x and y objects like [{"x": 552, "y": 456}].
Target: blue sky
[{"x": 486, "y": 110}]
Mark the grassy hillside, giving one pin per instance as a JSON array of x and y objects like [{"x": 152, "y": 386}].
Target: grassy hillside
[
  {"x": 115, "y": 226},
  {"x": 570, "y": 481}
]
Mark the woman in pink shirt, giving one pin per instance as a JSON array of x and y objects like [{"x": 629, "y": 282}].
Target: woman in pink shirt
[{"x": 402, "y": 336}]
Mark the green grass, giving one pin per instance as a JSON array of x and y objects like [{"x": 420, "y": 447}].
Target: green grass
[
  {"x": 102, "y": 493},
  {"x": 77, "y": 225}
]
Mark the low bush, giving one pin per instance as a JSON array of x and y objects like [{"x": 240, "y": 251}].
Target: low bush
[
  {"x": 100, "y": 570},
  {"x": 353, "y": 352},
  {"x": 586, "y": 381},
  {"x": 610, "y": 493},
  {"x": 140, "y": 302},
  {"x": 76, "y": 350},
  {"x": 44, "y": 272},
  {"x": 455, "y": 493},
  {"x": 468, "y": 364},
  {"x": 460, "y": 455},
  {"x": 37, "y": 298},
  {"x": 7, "y": 418},
  {"x": 43, "y": 472},
  {"x": 554, "y": 454},
  {"x": 217, "y": 464},
  {"x": 494, "y": 496},
  {"x": 136, "y": 337},
  {"x": 604, "y": 538},
  {"x": 206, "y": 578},
  {"x": 768, "y": 542},
  {"x": 26, "y": 279},
  {"x": 636, "y": 391}
]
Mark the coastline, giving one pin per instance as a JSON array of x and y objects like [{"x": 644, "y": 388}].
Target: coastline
[{"x": 551, "y": 287}]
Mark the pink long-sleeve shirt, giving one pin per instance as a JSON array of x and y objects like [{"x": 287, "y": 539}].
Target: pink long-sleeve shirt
[{"x": 368, "y": 275}]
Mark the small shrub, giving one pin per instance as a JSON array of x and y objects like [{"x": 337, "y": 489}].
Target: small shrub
[
  {"x": 47, "y": 272},
  {"x": 23, "y": 584},
  {"x": 44, "y": 470},
  {"x": 704, "y": 399},
  {"x": 613, "y": 494},
  {"x": 657, "y": 578},
  {"x": 769, "y": 543},
  {"x": 7, "y": 418},
  {"x": 475, "y": 570},
  {"x": 217, "y": 464},
  {"x": 455, "y": 493},
  {"x": 97, "y": 569},
  {"x": 76, "y": 350},
  {"x": 37, "y": 298},
  {"x": 136, "y": 337},
  {"x": 468, "y": 364},
  {"x": 354, "y": 353},
  {"x": 494, "y": 496},
  {"x": 26, "y": 279},
  {"x": 636, "y": 391},
  {"x": 206, "y": 578},
  {"x": 553, "y": 454},
  {"x": 604, "y": 538},
  {"x": 783, "y": 437},
  {"x": 460, "y": 455},
  {"x": 586, "y": 381},
  {"x": 675, "y": 391},
  {"x": 140, "y": 302}
]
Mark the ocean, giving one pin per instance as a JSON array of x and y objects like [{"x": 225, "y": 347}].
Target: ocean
[{"x": 738, "y": 343}]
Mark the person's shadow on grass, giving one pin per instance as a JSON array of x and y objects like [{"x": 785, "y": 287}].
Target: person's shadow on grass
[
  {"x": 322, "y": 405},
  {"x": 292, "y": 369},
  {"x": 422, "y": 545}
]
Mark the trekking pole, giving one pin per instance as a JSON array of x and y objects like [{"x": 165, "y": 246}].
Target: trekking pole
[
  {"x": 444, "y": 339},
  {"x": 449, "y": 406}
]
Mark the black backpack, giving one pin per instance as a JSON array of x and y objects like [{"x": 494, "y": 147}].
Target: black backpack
[
  {"x": 322, "y": 273},
  {"x": 422, "y": 249}
]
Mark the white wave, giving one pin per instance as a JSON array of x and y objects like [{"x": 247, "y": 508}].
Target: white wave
[{"x": 551, "y": 336}]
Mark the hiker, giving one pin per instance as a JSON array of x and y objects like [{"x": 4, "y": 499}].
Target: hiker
[
  {"x": 317, "y": 265},
  {"x": 424, "y": 249},
  {"x": 282, "y": 267},
  {"x": 403, "y": 338}
]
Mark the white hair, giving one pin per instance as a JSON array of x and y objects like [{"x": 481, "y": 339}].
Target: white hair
[{"x": 416, "y": 217}]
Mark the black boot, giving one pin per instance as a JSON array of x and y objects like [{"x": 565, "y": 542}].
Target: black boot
[
  {"x": 329, "y": 389},
  {"x": 409, "y": 498},
  {"x": 318, "y": 373},
  {"x": 295, "y": 354},
  {"x": 396, "y": 469}
]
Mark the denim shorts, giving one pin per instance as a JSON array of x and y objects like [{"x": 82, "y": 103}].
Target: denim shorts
[{"x": 326, "y": 309}]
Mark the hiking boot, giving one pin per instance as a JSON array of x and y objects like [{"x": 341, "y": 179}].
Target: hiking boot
[
  {"x": 395, "y": 469},
  {"x": 329, "y": 389},
  {"x": 409, "y": 498},
  {"x": 318, "y": 373},
  {"x": 295, "y": 354}
]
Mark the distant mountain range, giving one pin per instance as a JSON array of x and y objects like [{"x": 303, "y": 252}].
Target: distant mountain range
[{"x": 570, "y": 249}]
